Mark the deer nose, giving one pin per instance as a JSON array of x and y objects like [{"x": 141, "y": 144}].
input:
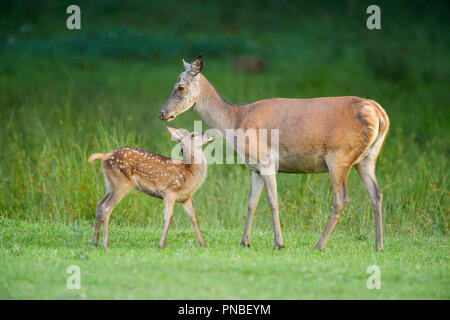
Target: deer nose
[{"x": 161, "y": 115}]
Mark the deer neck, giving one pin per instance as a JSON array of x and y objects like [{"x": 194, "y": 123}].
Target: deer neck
[
  {"x": 195, "y": 162},
  {"x": 215, "y": 111}
]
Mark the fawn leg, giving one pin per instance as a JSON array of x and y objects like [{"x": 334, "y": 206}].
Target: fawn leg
[
  {"x": 110, "y": 204},
  {"x": 99, "y": 218},
  {"x": 169, "y": 202},
  {"x": 253, "y": 198},
  {"x": 187, "y": 205}
]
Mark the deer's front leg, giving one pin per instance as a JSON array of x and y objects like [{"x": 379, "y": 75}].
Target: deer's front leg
[
  {"x": 169, "y": 202},
  {"x": 271, "y": 187},
  {"x": 193, "y": 217},
  {"x": 253, "y": 198}
]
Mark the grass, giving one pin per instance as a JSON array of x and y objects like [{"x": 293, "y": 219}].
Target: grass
[
  {"x": 134, "y": 268},
  {"x": 65, "y": 95}
]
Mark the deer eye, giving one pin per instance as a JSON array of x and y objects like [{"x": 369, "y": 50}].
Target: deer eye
[{"x": 180, "y": 87}]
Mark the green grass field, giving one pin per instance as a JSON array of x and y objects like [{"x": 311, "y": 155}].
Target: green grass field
[
  {"x": 35, "y": 256},
  {"x": 66, "y": 94}
]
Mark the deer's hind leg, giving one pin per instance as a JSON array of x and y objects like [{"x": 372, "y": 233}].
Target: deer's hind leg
[
  {"x": 99, "y": 218},
  {"x": 119, "y": 186},
  {"x": 338, "y": 178},
  {"x": 116, "y": 196},
  {"x": 366, "y": 170}
]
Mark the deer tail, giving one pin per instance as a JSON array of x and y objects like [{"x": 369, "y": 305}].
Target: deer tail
[{"x": 96, "y": 156}]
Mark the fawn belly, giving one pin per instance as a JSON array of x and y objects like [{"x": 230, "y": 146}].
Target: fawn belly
[{"x": 147, "y": 188}]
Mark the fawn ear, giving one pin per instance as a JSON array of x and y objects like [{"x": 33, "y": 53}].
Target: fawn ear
[
  {"x": 187, "y": 66},
  {"x": 175, "y": 133},
  {"x": 207, "y": 137},
  {"x": 197, "y": 65}
]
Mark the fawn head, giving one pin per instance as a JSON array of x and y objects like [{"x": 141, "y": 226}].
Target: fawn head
[
  {"x": 191, "y": 143},
  {"x": 185, "y": 92}
]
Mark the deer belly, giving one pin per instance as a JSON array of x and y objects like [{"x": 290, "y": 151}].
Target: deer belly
[
  {"x": 303, "y": 164},
  {"x": 147, "y": 188}
]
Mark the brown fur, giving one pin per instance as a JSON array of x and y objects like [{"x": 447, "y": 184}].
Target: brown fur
[
  {"x": 315, "y": 135},
  {"x": 154, "y": 174}
]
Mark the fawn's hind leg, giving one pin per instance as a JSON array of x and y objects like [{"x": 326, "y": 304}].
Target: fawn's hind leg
[
  {"x": 110, "y": 203},
  {"x": 99, "y": 218}
]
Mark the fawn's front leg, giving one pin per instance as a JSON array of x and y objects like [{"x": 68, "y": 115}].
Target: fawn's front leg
[
  {"x": 187, "y": 205},
  {"x": 169, "y": 202}
]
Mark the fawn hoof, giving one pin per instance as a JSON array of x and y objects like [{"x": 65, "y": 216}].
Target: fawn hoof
[
  {"x": 245, "y": 244},
  {"x": 202, "y": 244},
  {"x": 379, "y": 247},
  {"x": 278, "y": 246},
  {"x": 319, "y": 246}
]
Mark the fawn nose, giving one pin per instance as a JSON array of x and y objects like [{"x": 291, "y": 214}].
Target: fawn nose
[{"x": 161, "y": 115}]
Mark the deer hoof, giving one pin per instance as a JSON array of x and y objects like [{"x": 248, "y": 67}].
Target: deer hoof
[
  {"x": 278, "y": 246},
  {"x": 245, "y": 244},
  {"x": 319, "y": 247}
]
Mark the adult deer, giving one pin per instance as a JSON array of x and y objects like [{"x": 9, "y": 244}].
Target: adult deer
[{"x": 315, "y": 135}]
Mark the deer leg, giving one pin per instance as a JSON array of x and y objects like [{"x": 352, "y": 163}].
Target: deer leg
[
  {"x": 366, "y": 170},
  {"x": 270, "y": 182},
  {"x": 99, "y": 218},
  {"x": 110, "y": 204},
  {"x": 169, "y": 202},
  {"x": 253, "y": 198},
  {"x": 187, "y": 205},
  {"x": 338, "y": 177}
]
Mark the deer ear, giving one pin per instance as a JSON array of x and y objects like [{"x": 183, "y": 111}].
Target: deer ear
[
  {"x": 187, "y": 66},
  {"x": 207, "y": 137},
  {"x": 197, "y": 64},
  {"x": 175, "y": 133}
]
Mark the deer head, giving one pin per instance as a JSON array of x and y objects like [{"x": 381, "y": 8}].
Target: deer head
[
  {"x": 191, "y": 143},
  {"x": 186, "y": 90}
]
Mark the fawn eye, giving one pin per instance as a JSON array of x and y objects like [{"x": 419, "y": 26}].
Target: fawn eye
[{"x": 180, "y": 87}]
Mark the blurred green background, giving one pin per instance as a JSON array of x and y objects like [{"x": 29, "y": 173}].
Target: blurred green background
[
  {"x": 68, "y": 93},
  {"x": 65, "y": 94}
]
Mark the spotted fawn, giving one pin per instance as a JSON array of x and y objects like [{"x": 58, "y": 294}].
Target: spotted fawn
[{"x": 156, "y": 175}]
